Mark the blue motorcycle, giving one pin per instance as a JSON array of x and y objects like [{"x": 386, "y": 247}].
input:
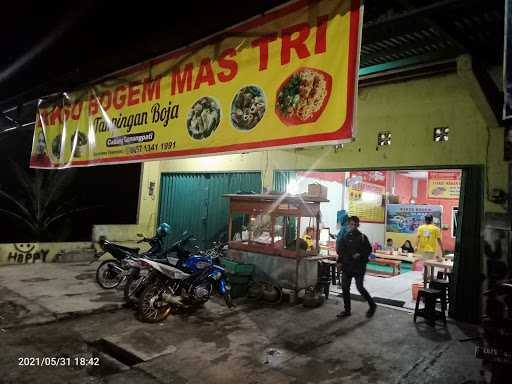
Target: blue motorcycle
[{"x": 185, "y": 281}]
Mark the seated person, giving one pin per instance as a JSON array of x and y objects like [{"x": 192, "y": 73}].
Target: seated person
[
  {"x": 407, "y": 247},
  {"x": 389, "y": 245},
  {"x": 308, "y": 236}
]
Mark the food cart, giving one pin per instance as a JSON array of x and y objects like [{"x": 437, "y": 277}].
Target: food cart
[{"x": 266, "y": 230}]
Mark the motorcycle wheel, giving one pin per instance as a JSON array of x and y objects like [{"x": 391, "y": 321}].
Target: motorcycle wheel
[
  {"x": 151, "y": 307},
  {"x": 106, "y": 277}
]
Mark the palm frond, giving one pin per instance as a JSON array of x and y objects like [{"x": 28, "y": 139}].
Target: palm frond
[
  {"x": 21, "y": 219},
  {"x": 17, "y": 203},
  {"x": 56, "y": 186},
  {"x": 23, "y": 178},
  {"x": 69, "y": 212}
]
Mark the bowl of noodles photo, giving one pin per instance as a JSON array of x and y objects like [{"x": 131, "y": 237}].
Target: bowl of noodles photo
[
  {"x": 203, "y": 117},
  {"x": 248, "y": 107},
  {"x": 303, "y": 96}
]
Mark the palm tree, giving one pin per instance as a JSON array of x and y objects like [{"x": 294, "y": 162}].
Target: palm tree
[{"x": 41, "y": 204}]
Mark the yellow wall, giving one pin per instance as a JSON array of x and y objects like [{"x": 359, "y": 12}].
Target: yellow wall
[
  {"x": 30, "y": 253},
  {"x": 409, "y": 109}
]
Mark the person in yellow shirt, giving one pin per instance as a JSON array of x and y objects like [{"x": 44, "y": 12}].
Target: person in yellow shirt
[
  {"x": 429, "y": 237},
  {"x": 308, "y": 236}
]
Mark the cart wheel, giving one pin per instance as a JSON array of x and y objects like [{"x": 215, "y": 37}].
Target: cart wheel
[
  {"x": 313, "y": 298},
  {"x": 255, "y": 291},
  {"x": 272, "y": 294}
]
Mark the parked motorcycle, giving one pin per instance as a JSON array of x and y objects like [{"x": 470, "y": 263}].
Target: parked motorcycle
[
  {"x": 111, "y": 272},
  {"x": 138, "y": 276},
  {"x": 183, "y": 282}
]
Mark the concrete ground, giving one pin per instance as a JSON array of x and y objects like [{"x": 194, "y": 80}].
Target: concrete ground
[
  {"x": 389, "y": 289},
  {"x": 38, "y": 293},
  {"x": 252, "y": 344}
]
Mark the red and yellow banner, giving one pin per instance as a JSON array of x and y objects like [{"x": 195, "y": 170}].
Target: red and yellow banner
[
  {"x": 284, "y": 79},
  {"x": 443, "y": 184}
]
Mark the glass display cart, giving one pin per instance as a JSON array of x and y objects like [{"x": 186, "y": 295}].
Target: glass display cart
[{"x": 269, "y": 230}]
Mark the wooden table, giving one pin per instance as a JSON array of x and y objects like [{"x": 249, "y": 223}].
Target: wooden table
[
  {"x": 395, "y": 264},
  {"x": 329, "y": 248},
  {"x": 411, "y": 258},
  {"x": 447, "y": 266}
]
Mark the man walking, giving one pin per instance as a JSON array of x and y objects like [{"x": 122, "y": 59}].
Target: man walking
[
  {"x": 429, "y": 237},
  {"x": 354, "y": 250}
]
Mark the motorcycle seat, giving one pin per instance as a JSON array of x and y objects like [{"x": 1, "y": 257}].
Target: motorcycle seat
[
  {"x": 136, "y": 250},
  {"x": 159, "y": 260}
]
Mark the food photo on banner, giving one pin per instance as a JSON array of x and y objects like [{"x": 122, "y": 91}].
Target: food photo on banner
[
  {"x": 406, "y": 218},
  {"x": 292, "y": 83}
]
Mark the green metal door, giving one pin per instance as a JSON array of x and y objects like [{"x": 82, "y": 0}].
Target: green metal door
[
  {"x": 281, "y": 179},
  {"x": 193, "y": 202}
]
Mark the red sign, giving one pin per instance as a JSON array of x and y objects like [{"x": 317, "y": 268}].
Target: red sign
[
  {"x": 373, "y": 177},
  {"x": 443, "y": 184}
]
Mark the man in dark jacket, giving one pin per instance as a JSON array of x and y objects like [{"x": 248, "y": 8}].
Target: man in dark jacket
[{"x": 354, "y": 249}]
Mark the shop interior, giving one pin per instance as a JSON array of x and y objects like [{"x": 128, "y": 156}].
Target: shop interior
[{"x": 391, "y": 206}]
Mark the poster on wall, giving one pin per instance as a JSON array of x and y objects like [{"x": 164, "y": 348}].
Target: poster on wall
[
  {"x": 372, "y": 177},
  {"x": 365, "y": 199},
  {"x": 283, "y": 79},
  {"x": 507, "y": 63},
  {"x": 406, "y": 218},
  {"x": 443, "y": 184}
]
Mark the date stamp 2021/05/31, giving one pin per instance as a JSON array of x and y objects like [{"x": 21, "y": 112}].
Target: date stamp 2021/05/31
[{"x": 54, "y": 361}]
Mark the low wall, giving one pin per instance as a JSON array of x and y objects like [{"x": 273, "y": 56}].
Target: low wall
[
  {"x": 125, "y": 234},
  {"x": 31, "y": 253}
]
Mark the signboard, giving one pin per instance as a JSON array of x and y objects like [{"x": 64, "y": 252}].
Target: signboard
[
  {"x": 287, "y": 78},
  {"x": 365, "y": 199},
  {"x": 507, "y": 63},
  {"x": 443, "y": 185},
  {"x": 406, "y": 218},
  {"x": 373, "y": 177}
]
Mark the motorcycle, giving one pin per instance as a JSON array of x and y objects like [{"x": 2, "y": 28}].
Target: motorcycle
[
  {"x": 111, "y": 272},
  {"x": 184, "y": 282},
  {"x": 138, "y": 276}
]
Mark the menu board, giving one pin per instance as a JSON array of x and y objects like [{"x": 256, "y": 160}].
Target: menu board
[
  {"x": 366, "y": 200},
  {"x": 443, "y": 185}
]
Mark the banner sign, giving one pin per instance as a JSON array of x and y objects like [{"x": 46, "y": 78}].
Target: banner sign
[
  {"x": 406, "y": 218},
  {"x": 284, "y": 79},
  {"x": 374, "y": 177},
  {"x": 443, "y": 185},
  {"x": 507, "y": 63},
  {"x": 365, "y": 199}
]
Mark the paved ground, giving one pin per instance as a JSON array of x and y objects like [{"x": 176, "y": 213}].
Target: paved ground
[
  {"x": 251, "y": 344},
  {"x": 38, "y": 293},
  {"x": 390, "y": 289}
]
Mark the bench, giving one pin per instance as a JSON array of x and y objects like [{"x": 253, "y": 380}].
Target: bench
[{"x": 395, "y": 264}]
